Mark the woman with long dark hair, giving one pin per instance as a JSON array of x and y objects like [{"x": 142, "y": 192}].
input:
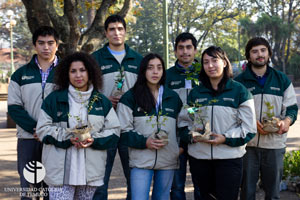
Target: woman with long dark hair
[
  {"x": 224, "y": 112},
  {"x": 148, "y": 113},
  {"x": 76, "y": 124}
]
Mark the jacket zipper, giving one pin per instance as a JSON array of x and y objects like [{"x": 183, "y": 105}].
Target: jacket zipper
[
  {"x": 260, "y": 115},
  {"x": 212, "y": 126},
  {"x": 156, "y": 149}
]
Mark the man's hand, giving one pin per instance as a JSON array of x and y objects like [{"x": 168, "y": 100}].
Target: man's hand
[
  {"x": 114, "y": 100},
  {"x": 260, "y": 128},
  {"x": 284, "y": 125},
  {"x": 217, "y": 139},
  {"x": 36, "y": 136},
  {"x": 154, "y": 143}
]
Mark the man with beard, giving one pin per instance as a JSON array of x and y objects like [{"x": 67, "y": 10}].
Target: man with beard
[
  {"x": 185, "y": 51},
  {"x": 264, "y": 157}
]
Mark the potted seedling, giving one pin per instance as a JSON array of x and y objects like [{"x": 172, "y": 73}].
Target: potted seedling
[
  {"x": 119, "y": 82},
  {"x": 82, "y": 130},
  {"x": 201, "y": 126},
  {"x": 270, "y": 122},
  {"x": 193, "y": 75},
  {"x": 160, "y": 121}
]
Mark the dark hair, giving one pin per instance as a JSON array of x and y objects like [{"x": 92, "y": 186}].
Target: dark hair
[
  {"x": 61, "y": 77},
  {"x": 44, "y": 31},
  {"x": 182, "y": 37},
  {"x": 216, "y": 52},
  {"x": 141, "y": 92},
  {"x": 255, "y": 42},
  {"x": 113, "y": 19}
]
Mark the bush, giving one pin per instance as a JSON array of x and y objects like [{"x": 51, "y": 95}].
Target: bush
[{"x": 291, "y": 164}]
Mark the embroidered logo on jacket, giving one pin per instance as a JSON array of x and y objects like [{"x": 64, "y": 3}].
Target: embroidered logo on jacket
[
  {"x": 27, "y": 77},
  {"x": 228, "y": 99},
  {"x": 104, "y": 67},
  {"x": 59, "y": 113},
  {"x": 98, "y": 108},
  {"x": 132, "y": 66},
  {"x": 175, "y": 82},
  {"x": 275, "y": 88},
  {"x": 201, "y": 100},
  {"x": 169, "y": 109}
]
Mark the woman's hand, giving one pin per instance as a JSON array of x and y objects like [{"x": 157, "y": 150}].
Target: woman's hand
[
  {"x": 84, "y": 144},
  {"x": 154, "y": 143},
  {"x": 217, "y": 139}
]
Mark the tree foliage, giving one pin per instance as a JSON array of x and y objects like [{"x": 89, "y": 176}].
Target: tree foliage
[{"x": 66, "y": 16}]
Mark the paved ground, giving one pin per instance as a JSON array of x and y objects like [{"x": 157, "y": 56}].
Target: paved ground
[{"x": 117, "y": 189}]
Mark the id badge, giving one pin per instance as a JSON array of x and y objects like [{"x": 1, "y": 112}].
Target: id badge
[{"x": 188, "y": 84}]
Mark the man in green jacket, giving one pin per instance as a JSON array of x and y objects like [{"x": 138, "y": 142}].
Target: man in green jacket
[
  {"x": 273, "y": 93},
  {"x": 185, "y": 51},
  {"x": 27, "y": 90},
  {"x": 119, "y": 65}
]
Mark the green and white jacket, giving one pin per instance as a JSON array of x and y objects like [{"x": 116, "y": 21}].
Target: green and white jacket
[
  {"x": 137, "y": 126},
  {"x": 175, "y": 80},
  {"x": 25, "y": 97},
  {"x": 52, "y": 131},
  {"x": 230, "y": 113},
  {"x": 279, "y": 91},
  {"x": 110, "y": 68}
]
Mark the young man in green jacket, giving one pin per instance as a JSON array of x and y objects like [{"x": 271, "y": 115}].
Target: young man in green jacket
[
  {"x": 264, "y": 157},
  {"x": 28, "y": 88},
  {"x": 119, "y": 65},
  {"x": 185, "y": 51}
]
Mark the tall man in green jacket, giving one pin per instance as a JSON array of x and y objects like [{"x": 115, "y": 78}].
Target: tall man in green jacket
[
  {"x": 27, "y": 90},
  {"x": 185, "y": 51},
  {"x": 264, "y": 157},
  {"x": 119, "y": 65}
]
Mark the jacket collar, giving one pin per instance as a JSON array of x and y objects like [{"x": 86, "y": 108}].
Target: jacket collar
[{"x": 107, "y": 54}]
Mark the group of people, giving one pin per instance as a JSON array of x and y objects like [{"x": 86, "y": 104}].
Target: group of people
[{"x": 123, "y": 101}]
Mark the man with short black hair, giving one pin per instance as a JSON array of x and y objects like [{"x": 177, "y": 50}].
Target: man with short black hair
[
  {"x": 185, "y": 51},
  {"x": 28, "y": 88},
  {"x": 119, "y": 65},
  {"x": 265, "y": 152}
]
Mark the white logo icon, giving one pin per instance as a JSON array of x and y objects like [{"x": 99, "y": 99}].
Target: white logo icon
[{"x": 34, "y": 172}]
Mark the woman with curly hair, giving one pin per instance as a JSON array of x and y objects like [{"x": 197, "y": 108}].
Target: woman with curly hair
[{"x": 76, "y": 124}]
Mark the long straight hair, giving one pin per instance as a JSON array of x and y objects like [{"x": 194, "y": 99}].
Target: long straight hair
[
  {"x": 141, "y": 92},
  {"x": 216, "y": 52}
]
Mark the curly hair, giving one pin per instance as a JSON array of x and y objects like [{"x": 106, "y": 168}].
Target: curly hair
[{"x": 61, "y": 76}]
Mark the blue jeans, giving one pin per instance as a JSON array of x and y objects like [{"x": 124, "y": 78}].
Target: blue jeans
[
  {"x": 28, "y": 150},
  {"x": 141, "y": 181},
  {"x": 178, "y": 185},
  {"x": 101, "y": 192},
  {"x": 266, "y": 164}
]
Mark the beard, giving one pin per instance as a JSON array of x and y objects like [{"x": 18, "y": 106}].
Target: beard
[{"x": 258, "y": 64}]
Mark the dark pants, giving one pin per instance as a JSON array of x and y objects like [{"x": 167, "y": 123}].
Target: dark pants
[
  {"x": 217, "y": 178},
  {"x": 101, "y": 192},
  {"x": 266, "y": 164},
  {"x": 29, "y": 150},
  {"x": 177, "y": 190}
]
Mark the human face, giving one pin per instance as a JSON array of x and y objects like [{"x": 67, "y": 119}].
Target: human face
[
  {"x": 78, "y": 76},
  {"x": 115, "y": 34},
  {"x": 185, "y": 52},
  {"x": 154, "y": 72},
  {"x": 46, "y": 47},
  {"x": 213, "y": 67},
  {"x": 259, "y": 56}
]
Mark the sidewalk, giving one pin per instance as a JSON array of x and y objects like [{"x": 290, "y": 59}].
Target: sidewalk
[{"x": 117, "y": 187}]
